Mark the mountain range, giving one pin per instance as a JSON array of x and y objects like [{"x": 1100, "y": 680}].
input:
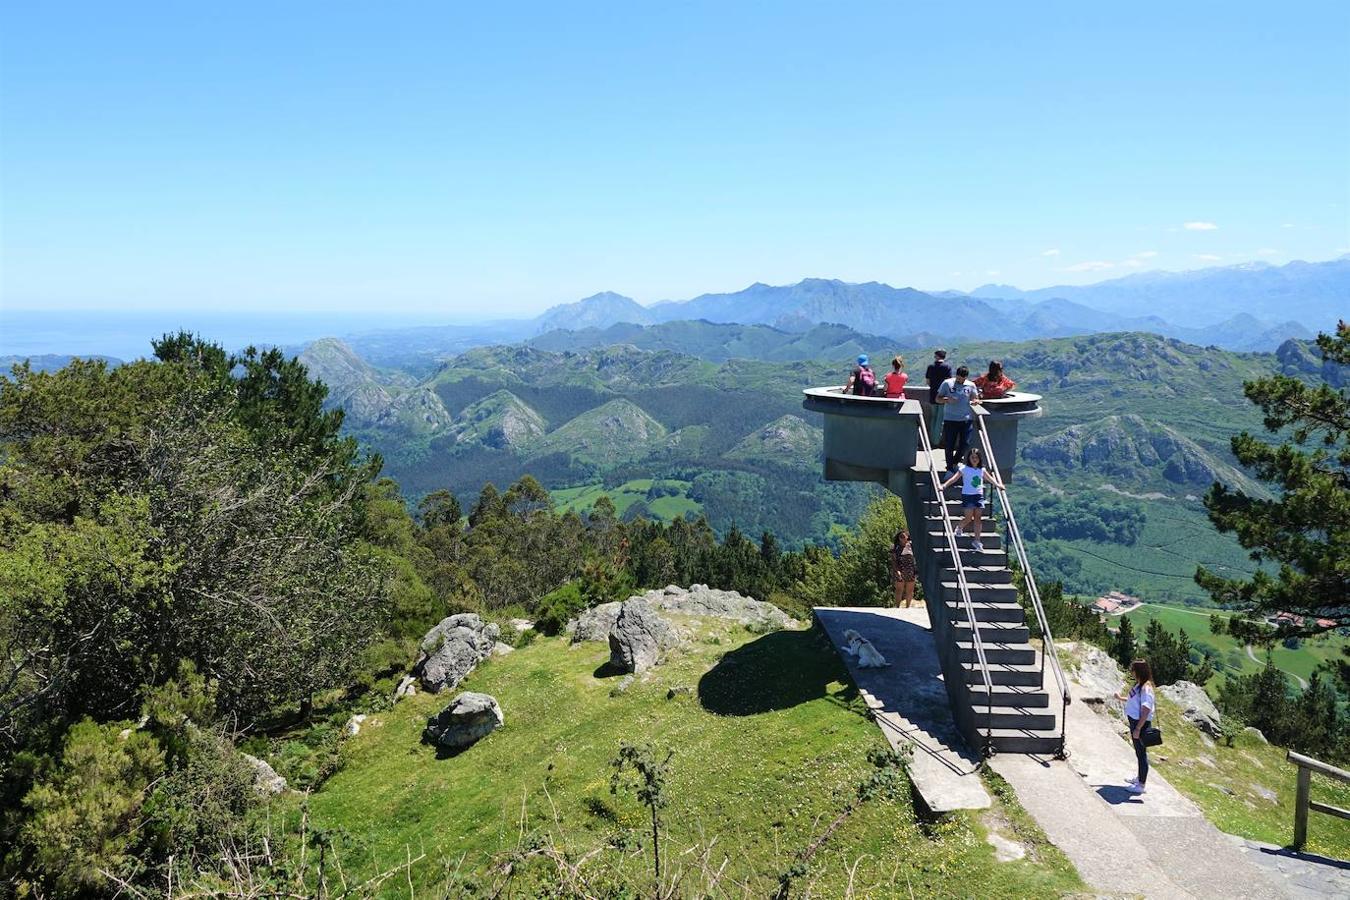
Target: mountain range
[{"x": 1253, "y": 307}]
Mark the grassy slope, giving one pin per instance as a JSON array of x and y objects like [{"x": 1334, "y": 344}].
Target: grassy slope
[
  {"x": 768, "y": 748},
  {"x": 1301, "y": 662},
  {"x": 625, "y": 495},
  {"x": 1202, "y": 772}
]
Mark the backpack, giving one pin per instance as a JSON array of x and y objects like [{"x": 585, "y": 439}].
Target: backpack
[{"x": 866, "y": 385}]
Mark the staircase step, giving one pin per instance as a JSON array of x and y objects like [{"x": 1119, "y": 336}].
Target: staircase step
[
  {"x": 953, "y": 508},
  {"x": 997, "y": 653},
  {"x": 987, "y": 558},
  {"x": 986, "y": 612},
  {"x": 1005, "y": 674},
  {"x": 991, "y": 632},
  {"x": 1014, "y": 718},
  {"x": 990, "y": 539},
  {"x": 991, "y": 575},
  {"x": 1016, "y": 740},
  {"x": 988, "y": 593},
  {"x": 1026, "y": 697}
]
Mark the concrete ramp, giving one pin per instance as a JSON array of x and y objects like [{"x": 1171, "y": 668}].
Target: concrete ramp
[{"x": 909, "y": 700}]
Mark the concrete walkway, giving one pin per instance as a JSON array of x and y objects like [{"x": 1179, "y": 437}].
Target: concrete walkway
[
  {"x": 909, "y": 701},
  {"x": 1155, "y": 845}
]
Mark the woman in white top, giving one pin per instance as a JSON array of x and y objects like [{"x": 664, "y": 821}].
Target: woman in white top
[
  {"x": 1139, "y": 707},
  {"x": 972, "y": 475}
]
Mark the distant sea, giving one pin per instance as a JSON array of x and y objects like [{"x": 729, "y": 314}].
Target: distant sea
[{"x": 127, "y": 335}]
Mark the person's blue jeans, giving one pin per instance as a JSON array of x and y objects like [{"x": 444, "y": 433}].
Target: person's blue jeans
[
  {"x": 955, "y": 439},
  {"x": 1140, "y": 751}
]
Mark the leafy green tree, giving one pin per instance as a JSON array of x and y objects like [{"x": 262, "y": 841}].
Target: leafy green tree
[
  {"x": 1305, "y": 529},
  {"x": 439, "y": 509},
  {"x": 860, "y": 575}
]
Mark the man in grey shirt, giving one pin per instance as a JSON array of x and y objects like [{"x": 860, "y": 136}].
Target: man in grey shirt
[{"x": 958, "y": 417}]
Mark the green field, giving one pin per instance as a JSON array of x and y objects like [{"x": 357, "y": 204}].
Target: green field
[
  {"x": 666, "y": 508},
  {"x": 1232, "y": 657},
  {"x": 771, "y": 741}
]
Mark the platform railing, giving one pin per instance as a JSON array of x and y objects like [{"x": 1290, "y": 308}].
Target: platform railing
[
  {"x": 959, "y": 567},
  {"x": 1303, "y": 802},
  {"x": 1014, "y": 535}
]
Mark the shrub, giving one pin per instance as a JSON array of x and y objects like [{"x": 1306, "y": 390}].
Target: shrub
[{"x": 559, "y": 606}]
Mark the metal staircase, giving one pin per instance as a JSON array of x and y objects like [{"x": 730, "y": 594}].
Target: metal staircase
[{"x": 995, "y": 676}]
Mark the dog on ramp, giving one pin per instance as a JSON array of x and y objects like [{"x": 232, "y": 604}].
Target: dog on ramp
[{"x": 869, "y": 657}]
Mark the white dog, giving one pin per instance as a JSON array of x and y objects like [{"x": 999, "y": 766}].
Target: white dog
[{"x": 869, "y": 657}]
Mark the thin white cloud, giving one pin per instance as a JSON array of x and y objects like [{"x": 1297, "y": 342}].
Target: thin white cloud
[
  {"x": 1146, "y": 254},
  {"x": 1095, "y": 265},
  {"x": 1053, "y": 251},
  {"x": 1208, "y": 257},
  {"x": 1200, "y": 226}
]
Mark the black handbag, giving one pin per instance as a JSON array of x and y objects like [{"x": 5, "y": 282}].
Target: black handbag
[{"x": 1151, "y": 736}]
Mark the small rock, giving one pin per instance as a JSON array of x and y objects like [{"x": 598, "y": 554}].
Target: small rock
[
  {"x": 520, "y": 625},
  {"x": 1221, "y": 789},
  {"x": 1266, "y": 794},
  {"x": 622, "y": 687},
  {"x": 678, "y": 691},
  {"x": 1196, "y": 707},
  {"x": 1256, "y": 733},
  {"x": 266, "y": 781},
  {"x": 500, "y": 649},
  {"x": 639, "y": 637},
  {"x": 469, "y": 718},
  {"x": 407, "y": 687},
  {"x": 1207, "y": 761},
  {"x": 1004, "y": 849},
  {"x": 353, "y": 726}
]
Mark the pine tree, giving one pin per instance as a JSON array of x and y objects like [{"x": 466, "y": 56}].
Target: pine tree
[
  {"x": 1125, "y": 650},
  {"x": 1305, "y": 529}
]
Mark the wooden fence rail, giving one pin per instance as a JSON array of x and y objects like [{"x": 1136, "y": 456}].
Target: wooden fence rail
[{"x": 1302, "y": 802}]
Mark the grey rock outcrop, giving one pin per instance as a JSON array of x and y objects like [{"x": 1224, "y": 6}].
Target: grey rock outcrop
[
  {"x": 1099, "y": 678},
  {"x": 698, "y": 600},
  {"x": 639, "y": 637},
  {"x": 353, "y": 726},
  {"x": 452, "y": 649},
  {"x": 266, "y": 781},
  {"x": 469, "y": 718},
  {"x": 407, "y": 687},
  {"x": 1256, "y": 733},
  {"x": 1196, "y": 707}
]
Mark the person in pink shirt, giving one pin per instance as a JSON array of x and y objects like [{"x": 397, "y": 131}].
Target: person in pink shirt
[
  {"x": 896, "y": 378},
  {"x": 994, "y": 384}
]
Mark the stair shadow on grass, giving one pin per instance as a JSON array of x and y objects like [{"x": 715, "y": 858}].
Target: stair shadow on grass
[{"x": 777, "y": 671}]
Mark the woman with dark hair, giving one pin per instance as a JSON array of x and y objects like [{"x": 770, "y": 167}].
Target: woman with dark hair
[
  {"x": 1139, "y": 707},
  {"x": 994, "y": 384},
  {"x": 902, "y": 568}
]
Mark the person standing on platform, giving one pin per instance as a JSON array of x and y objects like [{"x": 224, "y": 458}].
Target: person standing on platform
[
  {"x": 956, "y": 397},
  {"x": 995, "y": 384},
  {"x": 939, "y": 370},
  {"x": 896, "y": 379},
  {"x": 903, "y": 570}
]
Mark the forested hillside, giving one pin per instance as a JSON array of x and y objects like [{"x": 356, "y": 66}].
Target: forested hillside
[{"x": 1135, "y": 425}]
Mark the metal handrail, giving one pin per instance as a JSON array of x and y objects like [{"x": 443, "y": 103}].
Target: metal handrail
[
  {"x": 959, "y": 568},
  {"x": 1029, "y": 580}
]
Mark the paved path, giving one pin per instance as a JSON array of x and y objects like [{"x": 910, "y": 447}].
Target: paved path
[
  {"x": 909, "y": 701},
  {"x": 1157, "y": 845},
  {"x": 1261, "y": 662}
]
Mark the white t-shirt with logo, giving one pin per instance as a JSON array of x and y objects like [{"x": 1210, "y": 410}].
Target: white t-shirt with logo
[
  {"x": 1139, "y": 699},
  {"x": 972, "y": 479}
]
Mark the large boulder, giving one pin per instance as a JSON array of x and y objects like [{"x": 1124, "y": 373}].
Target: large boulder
[
  {"x": 452, "y": 649},
  {"x": 1099, "y": 678},
  {"x": 639, "y": 637},
  {"x": 469, "y": 718},
  {"x": 595, "y": 624},
  {"x": 1196, "y": 707},
  {"x": 266, "y": 781}
]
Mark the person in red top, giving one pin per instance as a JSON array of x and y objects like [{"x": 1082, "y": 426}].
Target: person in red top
[
  {"x": 895, "y": 379},
  {"x": 994, "y": 384}
]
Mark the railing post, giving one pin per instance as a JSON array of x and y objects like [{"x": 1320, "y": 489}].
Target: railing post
[{"x": 1301, "y": 807}]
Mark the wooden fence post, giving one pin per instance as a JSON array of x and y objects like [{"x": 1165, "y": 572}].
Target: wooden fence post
[{"x": 1301, "y": 808}]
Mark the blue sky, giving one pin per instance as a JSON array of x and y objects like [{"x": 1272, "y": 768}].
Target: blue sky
[{"x": 476, "y": 160}]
